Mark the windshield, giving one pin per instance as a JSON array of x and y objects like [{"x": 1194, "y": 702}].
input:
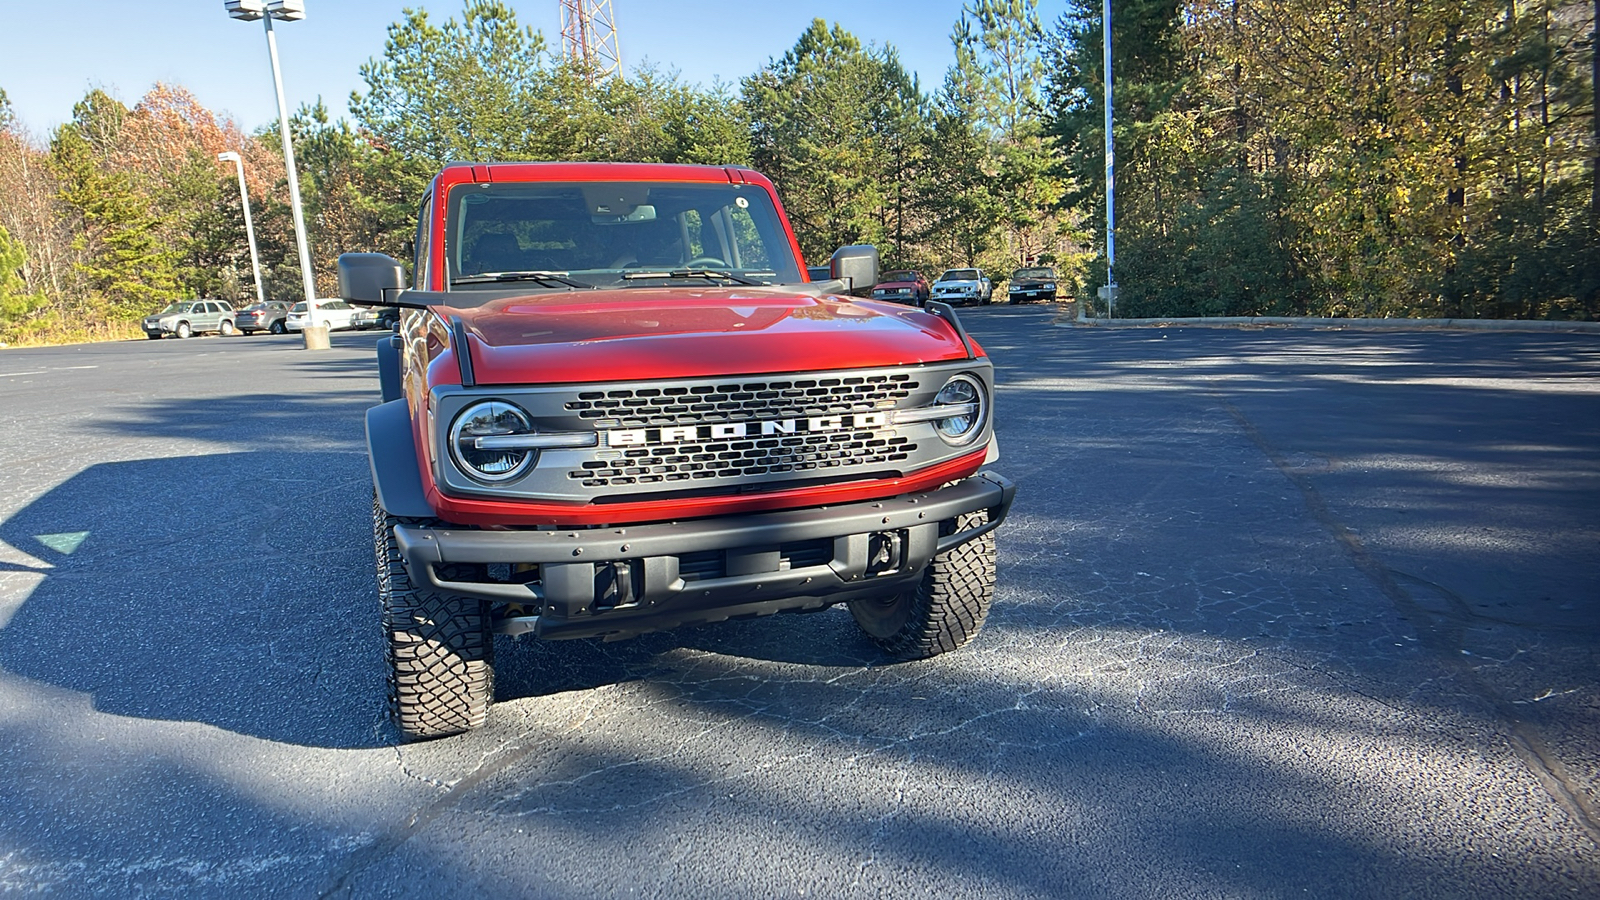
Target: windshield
[
  {"x": 897, "y": 276},
  {"x": 173, "y": 307},
  {"x": 1035, "y": 274},
  {"x": 298, "y": 307},
  {"x": 611, "y": 234},
  {"x": 960, "y": 275}
]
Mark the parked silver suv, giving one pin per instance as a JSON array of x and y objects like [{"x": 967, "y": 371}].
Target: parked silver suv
[{"x": 186, "y": 317}]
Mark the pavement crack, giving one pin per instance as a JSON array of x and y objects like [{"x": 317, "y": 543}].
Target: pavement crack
[
  {"x": 1441, "y": 632},
  {"x": 420, "y": 818}
]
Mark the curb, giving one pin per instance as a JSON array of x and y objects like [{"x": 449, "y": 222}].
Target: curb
[{"x": 1544, "y": 325}]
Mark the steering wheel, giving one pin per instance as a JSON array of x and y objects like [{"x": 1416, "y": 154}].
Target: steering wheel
[{"x": 701, "y": 262}]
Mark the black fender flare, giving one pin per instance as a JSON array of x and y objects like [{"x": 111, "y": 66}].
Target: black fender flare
[
  {"x": 389, "y": 368},
  {"x": 393, "y": 455}
]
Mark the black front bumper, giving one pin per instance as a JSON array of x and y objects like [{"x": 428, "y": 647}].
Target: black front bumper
[{"x": 618, "y": 582}]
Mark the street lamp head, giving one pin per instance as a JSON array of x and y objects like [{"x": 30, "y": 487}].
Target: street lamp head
[
  {"x": 246, "y": 10},
  {"x": 251, "y": 10},
  {"x": 228, "y": 156},
  {"x": 287, "y": 10}
]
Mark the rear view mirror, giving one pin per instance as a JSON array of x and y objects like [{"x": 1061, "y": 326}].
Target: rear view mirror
[
  {"x": 364, "y": 278},
  {"x": 644, "y": 212},
  {"x": 856, "y": 265}
]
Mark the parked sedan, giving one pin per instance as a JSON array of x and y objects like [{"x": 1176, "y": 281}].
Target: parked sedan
[
  {"x": 266, "y": 316},
  {"x": 960, "y": 285},
  {"x": 334, "y": 314},
  {"x": 1032, "y": 284},
  {"x": 375, "y": 317},
  {"x": 187, "y": 317},
  {"x": 903, "y": 286}
]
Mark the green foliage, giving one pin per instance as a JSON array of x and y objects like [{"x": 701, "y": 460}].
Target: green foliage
[
  {"x": 827, "y": 123},
  {"x": 964, "y": 210},
  {"x": 18, "y": 306},
  {"x": 1423, "y": 159},
  {"x": 126, "y": 262}
]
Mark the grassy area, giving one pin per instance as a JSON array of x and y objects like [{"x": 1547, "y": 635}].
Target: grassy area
[{"x": 57, "y": 334}]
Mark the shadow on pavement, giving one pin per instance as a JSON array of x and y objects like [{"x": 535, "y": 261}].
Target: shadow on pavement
[{"x": 215, "y": 589}]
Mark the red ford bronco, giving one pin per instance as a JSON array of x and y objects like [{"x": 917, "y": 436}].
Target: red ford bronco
[{"x": 615, "y": 404}]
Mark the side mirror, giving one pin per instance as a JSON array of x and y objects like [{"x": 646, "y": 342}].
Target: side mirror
[
  {"x": 370, "y": 279},
  {"x": 856, "y": 265}
]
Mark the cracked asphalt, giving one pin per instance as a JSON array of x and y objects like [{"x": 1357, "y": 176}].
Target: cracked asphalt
[{"x": 1281, "y": 613}]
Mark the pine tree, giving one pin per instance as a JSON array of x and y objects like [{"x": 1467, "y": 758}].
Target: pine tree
[
  {"x": 126, "y": 262},
  {"x": 818, "y": 129}
]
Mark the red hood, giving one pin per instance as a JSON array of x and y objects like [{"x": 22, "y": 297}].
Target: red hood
[{"x": 652, "y": 333}]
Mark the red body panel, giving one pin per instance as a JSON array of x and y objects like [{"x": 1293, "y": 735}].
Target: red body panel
[{"x": 689, "y": 332}]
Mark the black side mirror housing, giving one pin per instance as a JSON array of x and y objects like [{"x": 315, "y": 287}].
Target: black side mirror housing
[
  {"x": 856, "y": 265},
  {"x": 370, "y": 279}
]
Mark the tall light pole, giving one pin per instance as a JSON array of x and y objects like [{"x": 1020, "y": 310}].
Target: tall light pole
[
  {"x": 1111, "y": 169},
  {"x": 249, "y": 228},
  {"x": 316, "y": 336}
]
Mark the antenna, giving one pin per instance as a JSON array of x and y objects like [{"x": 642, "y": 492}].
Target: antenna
[{"x": 589, "y": 36}]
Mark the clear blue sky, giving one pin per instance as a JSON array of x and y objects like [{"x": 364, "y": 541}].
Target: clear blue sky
[{"x": 53, "y": 51}]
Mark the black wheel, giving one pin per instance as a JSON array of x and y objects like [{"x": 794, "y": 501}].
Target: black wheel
[
  {"x": 153, "y": 337},
  {"x": 440, "y": 646},
  {"x": 947, "y": 607},
  {"x": 247, "y": 331},
  {"x": 183, "y": 331},
  {"x": 277, "y": 327},
  {"x": 226, "y": 328}
]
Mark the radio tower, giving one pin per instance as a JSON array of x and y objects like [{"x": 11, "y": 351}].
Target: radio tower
[{"x": 589, "y": 35}]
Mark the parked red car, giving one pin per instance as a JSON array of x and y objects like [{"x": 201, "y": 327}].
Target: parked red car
[{"x": 903, "y": 286}]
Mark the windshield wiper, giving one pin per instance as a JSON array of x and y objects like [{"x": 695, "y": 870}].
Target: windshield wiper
[
  {"x": 542, "y": 277},
  {"x": 708, "y": 274}
]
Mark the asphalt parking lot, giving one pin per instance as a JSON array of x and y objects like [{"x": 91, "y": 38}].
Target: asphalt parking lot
[{"x": 1281, "y": 613}]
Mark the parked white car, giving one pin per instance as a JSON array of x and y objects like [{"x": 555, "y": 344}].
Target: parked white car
[
  {"x": 335, "y": 314},
  {"x": 960, "y": 285}
]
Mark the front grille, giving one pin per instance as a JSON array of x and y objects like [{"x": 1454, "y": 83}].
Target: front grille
[
  {"x": 710, "y": 437},
  {"x": 744, "y": 400},
  {"x": 794, "y": 453}
]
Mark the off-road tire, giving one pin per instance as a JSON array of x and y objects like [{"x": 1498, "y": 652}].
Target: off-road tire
[
  {"x": 440, "y": 646},
  {"x": 945, "y": 610}
]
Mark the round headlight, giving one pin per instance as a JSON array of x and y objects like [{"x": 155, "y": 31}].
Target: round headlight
[
  {"x": 490, "y": 418},
  {"x": 966, "y": 392}
]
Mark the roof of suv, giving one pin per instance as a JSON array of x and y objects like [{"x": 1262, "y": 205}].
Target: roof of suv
[{"x": 462, "y": 172}]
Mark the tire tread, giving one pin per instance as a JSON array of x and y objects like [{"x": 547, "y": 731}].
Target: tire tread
[
  {"x": 439, "y": 646},
  {"x": 950, "y": 604}
]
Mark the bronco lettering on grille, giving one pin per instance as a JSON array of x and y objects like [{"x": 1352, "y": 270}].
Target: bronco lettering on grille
[{"x": 637, "y": 437}]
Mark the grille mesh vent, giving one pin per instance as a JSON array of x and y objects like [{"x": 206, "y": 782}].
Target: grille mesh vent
[
  {"x": 744, "y": 400},
  {"x": 799, "y": 453}
]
